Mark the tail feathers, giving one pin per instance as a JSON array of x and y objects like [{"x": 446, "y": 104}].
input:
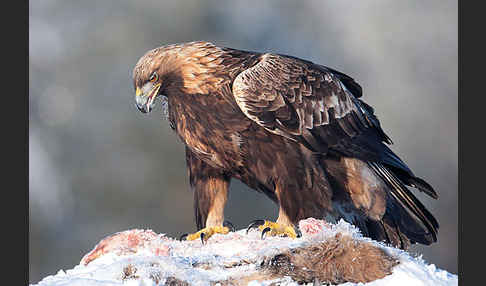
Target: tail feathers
[
  {"x": 409, "y": 179},
  {"x": 422, "y": 186},
  {"x": 401, "y": 170},
  {"x": 408, "y": 224},
  {"x": 398, "y": 228},
  {"x": 386, "y": 230},
  {"x": 405, "y": 214}
]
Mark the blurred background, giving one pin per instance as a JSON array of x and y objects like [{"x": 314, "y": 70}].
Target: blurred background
[{"x": 98, "y": 166}]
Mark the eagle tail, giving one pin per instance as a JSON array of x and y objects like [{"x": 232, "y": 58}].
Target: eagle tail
[
  {"x": 406, "y": 220},
  {"x": 387, "y": 230},
  {"x": 401, "y": 171}
]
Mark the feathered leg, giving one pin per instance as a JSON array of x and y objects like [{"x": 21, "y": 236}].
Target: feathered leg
[
  {"x": 282, "y": 227},
  {"x": 210, "y": 186},
  {"x": 302, "y": 191}
]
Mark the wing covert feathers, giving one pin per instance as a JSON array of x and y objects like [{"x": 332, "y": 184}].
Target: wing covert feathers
[{"x": 303, "y": 101}]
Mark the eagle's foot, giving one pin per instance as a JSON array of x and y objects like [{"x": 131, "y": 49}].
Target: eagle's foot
[
  {"x": 205, "y": 233},
  {"x": 274, "y": 229}
]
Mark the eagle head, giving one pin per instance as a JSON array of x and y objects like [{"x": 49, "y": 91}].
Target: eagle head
[
  {"x": 188, "y": 68},
  {"x": 148, "y": 80}
]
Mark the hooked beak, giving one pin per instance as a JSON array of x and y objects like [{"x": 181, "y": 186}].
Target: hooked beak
[{"x": 145, "y": 102}]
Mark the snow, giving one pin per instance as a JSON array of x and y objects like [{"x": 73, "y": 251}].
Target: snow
[{"x": 142, "y": 257}]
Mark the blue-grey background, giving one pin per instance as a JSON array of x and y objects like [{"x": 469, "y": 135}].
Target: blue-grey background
[{"x": 98, "y": 166}]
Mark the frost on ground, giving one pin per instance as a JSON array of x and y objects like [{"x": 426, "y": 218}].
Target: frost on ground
[{"x": 334, "y": 254}]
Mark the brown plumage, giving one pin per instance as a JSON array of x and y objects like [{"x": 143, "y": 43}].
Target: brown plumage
[{"x": 294, "y": 130}]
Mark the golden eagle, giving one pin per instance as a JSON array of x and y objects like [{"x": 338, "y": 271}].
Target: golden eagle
[{"x": 295, "y": 130}]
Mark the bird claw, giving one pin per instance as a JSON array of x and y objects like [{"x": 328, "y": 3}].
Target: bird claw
[
  {"x": 205, "y": 233},
  {"x": 202, "y": 237},
  {"x": 298, "y": 232},
  {"x": 254, "y": 224},
  {"x": 229, "y": 225},
  {"x": 183, "y": 237},
  {"x": 265, "y": 230},
  {"x": 274, "y": 229}
]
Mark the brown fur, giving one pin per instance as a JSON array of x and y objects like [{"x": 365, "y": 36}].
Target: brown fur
[{"x": 338, "y": 260}]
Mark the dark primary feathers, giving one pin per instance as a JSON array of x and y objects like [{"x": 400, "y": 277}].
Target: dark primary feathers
[{"x": 232, "y": 108}]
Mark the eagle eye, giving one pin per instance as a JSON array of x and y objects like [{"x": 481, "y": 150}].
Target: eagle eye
[{"x": 154, "y": 77}]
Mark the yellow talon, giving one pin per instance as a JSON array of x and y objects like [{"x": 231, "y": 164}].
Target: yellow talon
[
  {"x": 274, "y": 229},
  {"x": 205, "y": 233}
]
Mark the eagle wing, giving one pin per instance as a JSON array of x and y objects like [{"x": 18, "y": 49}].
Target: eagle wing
[{"x": 305, "y": 102}]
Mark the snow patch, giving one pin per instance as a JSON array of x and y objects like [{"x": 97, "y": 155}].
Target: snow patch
[{"x": 142, "y": 257}]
